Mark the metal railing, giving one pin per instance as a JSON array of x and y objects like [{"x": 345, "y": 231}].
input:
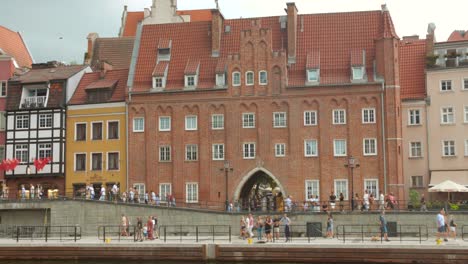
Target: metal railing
[
  {"x": 46, "y": 233},
  {"x": 116, "y": 232},
  {"x": 464, "y": 233},
  {"x": 197, "y": 233},
  {"x": 360, "y": 233}
]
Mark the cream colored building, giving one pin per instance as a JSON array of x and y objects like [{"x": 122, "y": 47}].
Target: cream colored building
[{"x": 447, "y": 110}]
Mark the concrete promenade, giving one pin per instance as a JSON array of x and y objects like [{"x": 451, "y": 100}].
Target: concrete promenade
[{"x": 319, "y": 250}]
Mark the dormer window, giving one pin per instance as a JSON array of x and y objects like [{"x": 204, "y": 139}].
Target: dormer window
[
  {"x": 263, "y": 77},
  {"x": 190, "y": 81},
  {"x": 220, "y": 79},
  {"x": 358, "y": 73},
  {"x": 236, "y": 78},
  {"x": 34, "y": 97},
  {"x": 160, "y": 76},
  {"x": 164, "y": 50},
  {"x": 313, "y": 75},
  {"x": 249, "y": 78},
  {"x": 158, "y": 82}
]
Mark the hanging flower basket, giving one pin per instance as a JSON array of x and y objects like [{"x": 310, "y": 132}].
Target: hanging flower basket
[{"x": 40, "y": 163}]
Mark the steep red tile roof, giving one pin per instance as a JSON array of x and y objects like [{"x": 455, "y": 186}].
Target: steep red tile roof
[
  {"x": 412, "y": 69},
  {"x": 132, "y": 20},
  {"x": 334, "y": 35},
  {"x": 313, "y": 60},
  {"x": 192, "y": 66},
  {"x": 389, "y": 29},
  {"x": 48, "y": 74},
  {"x": 115, "y": 51},
  {"x": 13, "y": 45},
  {"x": 94, "y": 79},
  {"x": 458, "y": 35},
  {"x": 164, "y": 43},
  {"x": 104, "y": 83},
  {"x": 160, "y": 69},
  {"x": 356, "y": 57},
  {"x": 221, "y": 66},
  {"x": 197, "y": 15}
]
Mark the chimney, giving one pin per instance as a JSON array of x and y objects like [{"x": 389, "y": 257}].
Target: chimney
[
  {"x": 410, "y": 38},
  {"x": 430, "y": 39},
  {"x": 104, "y": 67},
  {"x": 216, "y": 32},
  {"x": 292, "y": 31},
  {"x": 91, "y": 40}
]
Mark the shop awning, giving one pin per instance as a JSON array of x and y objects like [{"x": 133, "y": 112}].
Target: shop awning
[{"x": 460, "y": 177}]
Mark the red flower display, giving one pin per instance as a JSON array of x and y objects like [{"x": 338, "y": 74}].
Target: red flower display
[
  {"x": 9, "y": 164},
  {"x": 40, "y": 163}
]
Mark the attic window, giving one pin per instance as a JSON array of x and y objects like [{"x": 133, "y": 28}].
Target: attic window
[
  {"x": 220, "y": 79},
  {"x": 159, "y": 82},
  {"x": 164, "y": 54},
  {"x": 190, "y": 81},
  {"x": 313, "y": 75},
  {"x": 358, "y": 72}
]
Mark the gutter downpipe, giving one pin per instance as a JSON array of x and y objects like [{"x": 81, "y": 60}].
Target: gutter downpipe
[{"x": 384, "y": 141}]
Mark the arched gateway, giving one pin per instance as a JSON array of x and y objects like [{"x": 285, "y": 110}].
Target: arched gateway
[{"x": 257, "y": 190}]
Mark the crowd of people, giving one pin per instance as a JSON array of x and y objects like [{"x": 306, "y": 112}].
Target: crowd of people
[
  {"x": 113, "y": 193},
  {"x": 143, "y": 231}
]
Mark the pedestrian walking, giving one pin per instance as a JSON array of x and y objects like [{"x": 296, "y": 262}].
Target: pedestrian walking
[
  {"x": 259, "y": 226},
  {"x": 383, "y": 226},
  {"x": 31, "y": 191},
  {"x": 341, "y": 202},
  {"x": 330, "y": 226},
  {"x": 452, "y": 228},
  {"x": 365, "y": 202},
  {"x": 103, "y": 193},
  {"x": 249, "y": 221},
  {"x": 268, "y": 228},
  {"x": 276, "y": 228},
  {"x": 123, "y": 226},
  {"x": 441, "y": 230},
  {"x": 287, "y": 231},
  {"x": 243, "y": 227},
  {"x": 139, "y": 235},
  {"x": 332, "y": 200},
  {"x": 150, "y": 226},
  {"x": 423, "y": 203}
]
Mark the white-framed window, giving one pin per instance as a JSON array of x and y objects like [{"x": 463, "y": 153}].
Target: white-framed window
[
  {"x": 279, "y": 119},
  {"x": 263, "y": 77},
  {"x": 339, "y": 116},
  {"x": 369, "y": 146},
  {"x": 414, "y": 117},
  {"x": 310, "y": 148},
  {"x": 217, "y": 121},
  {"x": 22, "y": 121},
  {"x": 466, "y": 147},
  {"x": 249, "y": 150},
  {"x": 368, "y": 115},
  {"x": 191, "y": 122},
  {"x": 310, "y": 118},
  {"x": 249, "y": 78},
  {"x": 80, "y": 131},
  {"x": 448, "y": 148},
  {"x": 164, "y": 123},
  {"x": 417, "y": 181},
  {"x": 218, "y": 152},
  {"x": 138, "y": 124},
  {"x": 447, "y": 115},
  {"x": 465, "y": 84},
  {"x": 372, "y": 187},
  {"x": 96, "y": 130},
  {"x": 191, "y": 192},
  {"x": 220, "y": 79},
  {"x": 96, "y": 161},
  {"x": 2, "y": 121},
  {"x": 113, "y": 129},
  {"x": 312, "y": 189},
  {"x": 21, "y": 153},
  {"x": 191, "y": 152},
  {"x": 339, "y": 147},
  {"x": 236, "y": 78},
  {"x": 358, "y": 72},
  {"x": 158, "y": 82},
  {"x": 3, "y": 88},
  {"x": 446, "y": 85},
  {"x": 280, "y": 150},
  {"x": 45, "y": 120},
  {"x": 248, "y": 120},
  {"x": 165, "y": 153},
  {"x": 465, "y": 114},
  {"x": 415, "y": 149},
  {"x": 113, "y": 161},
  {"x": 45, "y": 150},
  {"x": 80, "y": 161},
  {"x": 190, "y": 81},
  {"x": 164, "y": 190},
  {"x": 313, "y": 75},
  {"x": 341, "y": 186}
]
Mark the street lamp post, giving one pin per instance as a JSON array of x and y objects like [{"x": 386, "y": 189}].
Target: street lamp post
[
  {"x": 227, "y": 168},
  {"x": 352, "y": 163}
]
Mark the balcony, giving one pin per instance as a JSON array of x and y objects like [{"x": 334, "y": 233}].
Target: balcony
[{"x": 34, "y": 102}]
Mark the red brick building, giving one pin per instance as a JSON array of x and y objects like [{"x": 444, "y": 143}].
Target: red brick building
[{"x": 285, "y": 99}]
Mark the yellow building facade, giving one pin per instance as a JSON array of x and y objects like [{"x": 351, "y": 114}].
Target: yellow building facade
[{"x": 96, "y": 148}]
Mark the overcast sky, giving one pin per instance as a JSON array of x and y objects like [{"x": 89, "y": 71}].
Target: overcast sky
[{"x": 57, "y": 29}]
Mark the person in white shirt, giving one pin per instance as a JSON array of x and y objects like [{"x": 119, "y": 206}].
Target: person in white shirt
[
  {"x": 366, "y": 200},
  {"x": 382, "y": 202},
  {"x": 103, "y": 193},
  {"x": 249, "y": 222}
]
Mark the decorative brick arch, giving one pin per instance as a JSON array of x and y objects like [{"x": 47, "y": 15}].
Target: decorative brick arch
[{"x": 249, "y": 174}]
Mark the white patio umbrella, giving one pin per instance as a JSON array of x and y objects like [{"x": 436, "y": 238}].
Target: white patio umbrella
[{"x": 448, "y": 186}]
